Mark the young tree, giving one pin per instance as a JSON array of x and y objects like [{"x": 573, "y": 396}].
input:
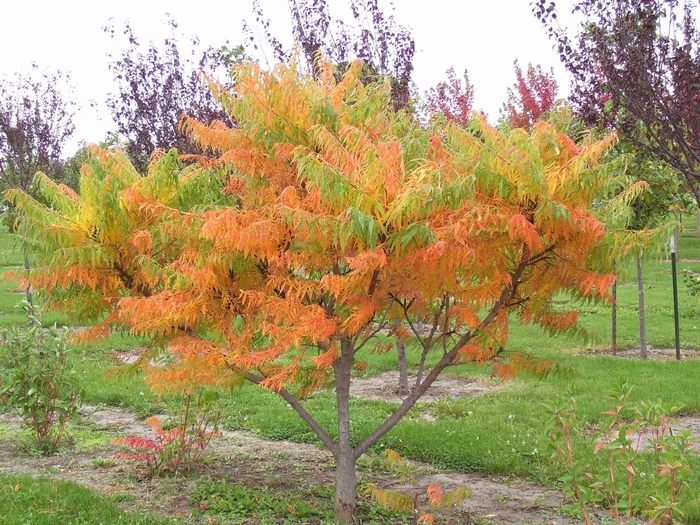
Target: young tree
[
  {"x": 157, "y": 86},
  {"x": 636, "y": 68},
  {"x": 640, "y": 211},
  {"x": 385, "y": 47},
  {"x": 35, "y": 123},
  {"x": 532, "y": 97},
  {"x": 348, "y": 216},
  {"x": 345, "y": 215}
]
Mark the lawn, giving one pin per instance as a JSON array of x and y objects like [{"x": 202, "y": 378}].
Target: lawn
[{"x": 499, "y": 433}]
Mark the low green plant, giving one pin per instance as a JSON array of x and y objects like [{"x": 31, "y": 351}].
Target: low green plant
[
  {"x": 241, "y": 504},
  {"x": 175, "y": 449},
  {"x": 624, "y": 487},
  {"x": 47, "y": 501},
  {"x": 692, "y": 283},
  {"x": 37, "y": 380}
]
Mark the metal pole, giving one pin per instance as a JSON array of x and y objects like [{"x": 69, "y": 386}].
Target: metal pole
[{"x": 675, "y": 297}]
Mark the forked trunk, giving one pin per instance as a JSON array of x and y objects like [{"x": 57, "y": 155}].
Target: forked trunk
[
  {"x": 642, "y": 317},
  {"x": 403, "y": 368}
]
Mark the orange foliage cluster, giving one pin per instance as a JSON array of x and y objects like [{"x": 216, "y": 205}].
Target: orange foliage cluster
[{"x": 337, "y": 214}]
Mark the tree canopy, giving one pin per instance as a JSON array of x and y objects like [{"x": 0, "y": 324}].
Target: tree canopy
[
  {"x": 156, "y": 87},
  {"x": 340, "y": 216},
  {"x": 636, "y": 69},
  {"x": 36, "y": 120}
]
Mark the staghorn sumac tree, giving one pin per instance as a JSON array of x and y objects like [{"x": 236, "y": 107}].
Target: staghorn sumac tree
[
  {"x": 348, "y": 216},
  {"x": 345, "y": 215}
]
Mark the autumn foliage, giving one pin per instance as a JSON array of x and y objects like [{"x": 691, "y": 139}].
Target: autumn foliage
[
  {"x": 451, "y": 99},
  {"x": 531, "y": 98},
  {"x": 337, "y": 215}
]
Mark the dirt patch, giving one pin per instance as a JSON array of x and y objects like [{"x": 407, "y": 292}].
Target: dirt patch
[
  {"x": 384, "y": 387},
  {"x": 241, "y": 457},
  {"x": 655, "y": 354}
]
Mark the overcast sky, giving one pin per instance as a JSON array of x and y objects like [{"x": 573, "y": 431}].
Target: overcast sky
[{"x": 484, "y": 37}]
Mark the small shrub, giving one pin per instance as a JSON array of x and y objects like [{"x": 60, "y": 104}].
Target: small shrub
[
  {"x": 622, "y": 488},
  {"x": 175, "y": 449},
  {"x": 37, "y": 380}
]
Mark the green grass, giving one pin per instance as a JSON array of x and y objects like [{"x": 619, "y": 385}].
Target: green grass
[
  {"x": 11, "y": 293},
  {"x": 31, "y": 500},
  {"x": 496, "y": 433},
  {"x": 241, "y": 503}
]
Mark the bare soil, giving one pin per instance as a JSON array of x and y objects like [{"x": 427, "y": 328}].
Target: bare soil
[
  {"x": 384, "y": 387},
  {"x": 656, "y": 354},
  {"x": 242, "y": 457}
]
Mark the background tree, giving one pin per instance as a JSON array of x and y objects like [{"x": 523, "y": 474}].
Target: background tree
[
  {"x": 35, "y": 123},
  {"x": 639, "y": 209},
  {"x": 385, "y": 47},
  {"x": 636, "y": 68},
  {"x": 451, "y": 99},
  {"x": 157, "y": 86},
  {"x": 532, "y": 97}
]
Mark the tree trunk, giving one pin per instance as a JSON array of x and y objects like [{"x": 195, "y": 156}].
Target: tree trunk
[
  {"x": 403, "y": 368},
  {"x": 345, "y": 480},
  {"x": 403, "y": 365},
  {"x": 614, "y": 318},
  {"x": 642, "y": 318},
  {"x": 345, "y": 511},
  {"x": 27, "y": 268}
]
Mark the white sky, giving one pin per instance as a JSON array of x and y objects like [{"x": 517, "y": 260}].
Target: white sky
[{"x": 484, "y": 37}]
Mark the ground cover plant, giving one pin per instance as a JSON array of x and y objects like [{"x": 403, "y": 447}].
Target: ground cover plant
[{"x": 27, "y": 499}]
